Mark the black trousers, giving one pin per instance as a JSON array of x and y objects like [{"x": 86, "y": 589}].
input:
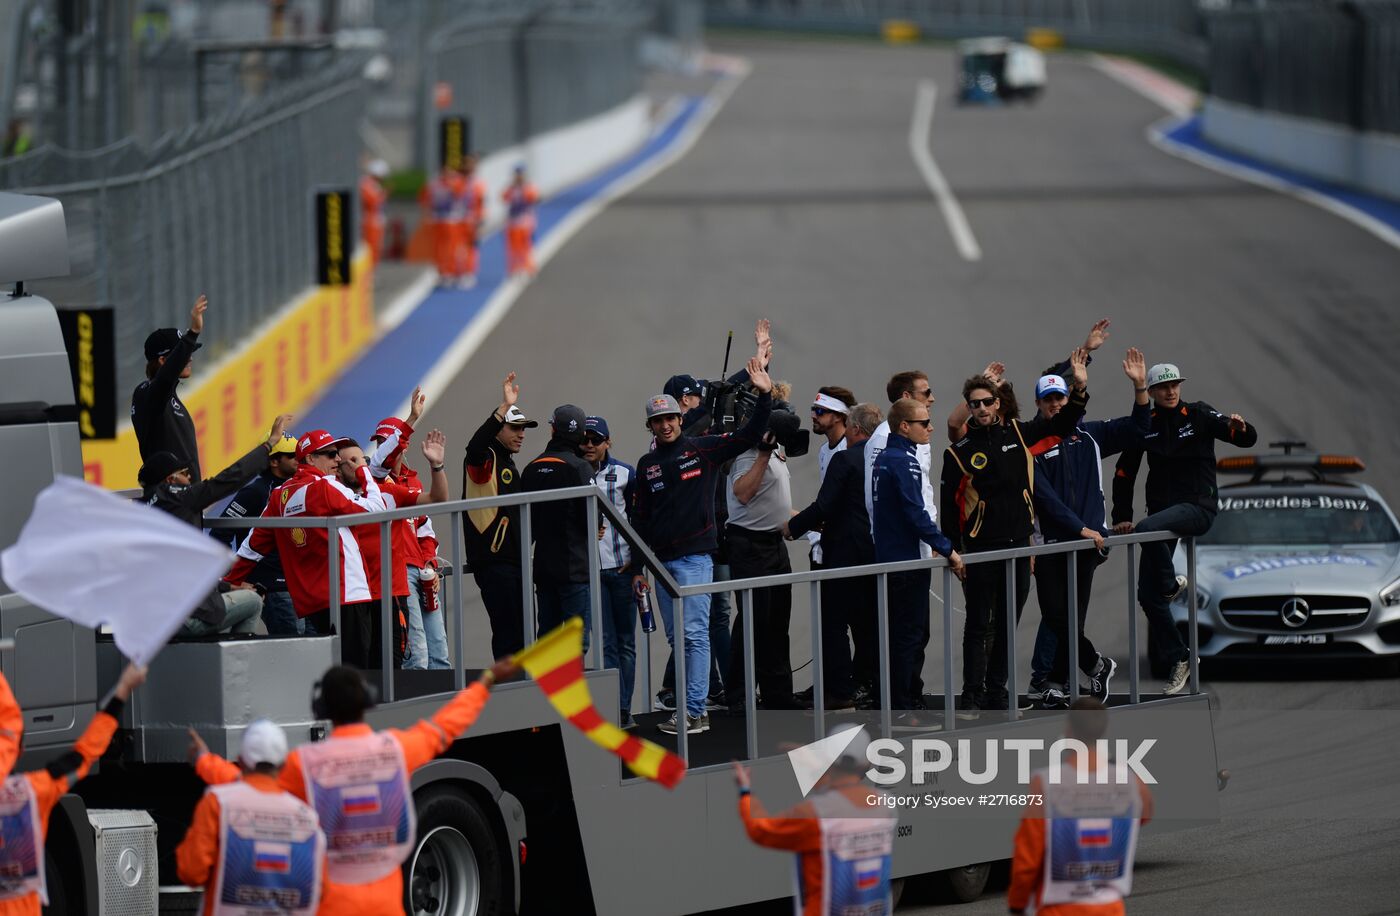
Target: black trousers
[
  {"x": 849, "y": 605},
  {"x": 1052, "y": 590},
  {"x": 909, "y": 632},
  {"x": 761, "y": 553},
  {"x": 984, "y": 634},
  {"x": 361, "y": 632},
  {"x": 499, "y": 584}
]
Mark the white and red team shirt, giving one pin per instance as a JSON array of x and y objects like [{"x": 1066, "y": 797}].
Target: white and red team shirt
[
  {"x": 427, "y": 542},
  {"x": 403, "y": 541},
  {"x": 305, "y": 552}
]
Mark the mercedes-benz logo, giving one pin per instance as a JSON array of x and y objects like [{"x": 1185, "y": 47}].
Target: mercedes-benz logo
[
  {"x": 1295, "y": 612},
  {"x": 129, "y": 867}
]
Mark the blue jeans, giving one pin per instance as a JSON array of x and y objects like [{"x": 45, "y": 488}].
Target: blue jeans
[
  {"x": 719, "y": 639},
  {"x": 1043, "y": 659},
  {"x": 427, "y": 634},
  {"x": 1157, "y": 576},
  {"x": 694, "y": 569},
  {"x": 279, "y": 616},
  {"x": 620, "y": 634},
  {"x": 558, "y": 601}
]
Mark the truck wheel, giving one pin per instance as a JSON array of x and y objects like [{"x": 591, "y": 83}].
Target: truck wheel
[
  {"x": 965, "y": 884},
  {"x": 457, "y": 867},
  {"x": 57, "y": 886}
]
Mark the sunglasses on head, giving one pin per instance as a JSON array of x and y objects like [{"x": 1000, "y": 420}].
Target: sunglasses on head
[{"x": 975, "y": 403}]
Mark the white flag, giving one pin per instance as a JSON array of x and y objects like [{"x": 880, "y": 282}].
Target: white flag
[{"x": 96, "y": 558}]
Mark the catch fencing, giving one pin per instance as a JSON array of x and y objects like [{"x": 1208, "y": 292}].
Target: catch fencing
[
  {"x": 1171, "y": 28},
  {"x": 210, "y": 189},
  {"x": 1336, "y": 62}
]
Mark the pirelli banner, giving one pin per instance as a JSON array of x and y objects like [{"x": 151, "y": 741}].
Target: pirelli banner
[
  {"x": 335, "y": 241},
  {"x": 89, "y": 335},
  {"x": 454, "y": 140}
]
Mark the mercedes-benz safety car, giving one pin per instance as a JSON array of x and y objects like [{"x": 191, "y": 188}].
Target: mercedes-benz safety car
[{"x": 1300, "y": 561}]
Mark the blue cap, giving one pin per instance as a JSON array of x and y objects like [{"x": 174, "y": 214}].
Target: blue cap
[
  {"x": 678, "y": 386},
  {"x": 597, "y": 425}
]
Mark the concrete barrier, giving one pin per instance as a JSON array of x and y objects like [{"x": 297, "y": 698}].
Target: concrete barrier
[{"x": 1369, "y": 162}]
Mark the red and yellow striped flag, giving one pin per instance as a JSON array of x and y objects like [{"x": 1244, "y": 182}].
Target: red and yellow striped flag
[{"x": 556, "y": 664}]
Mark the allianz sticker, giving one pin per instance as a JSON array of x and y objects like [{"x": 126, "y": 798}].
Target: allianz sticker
[
  {"x": 979, "y": 461},
  {"x": 1269, "y": 564}
]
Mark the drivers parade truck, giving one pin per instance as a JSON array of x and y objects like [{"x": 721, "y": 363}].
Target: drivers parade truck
[{"x": 523, "y": 813}]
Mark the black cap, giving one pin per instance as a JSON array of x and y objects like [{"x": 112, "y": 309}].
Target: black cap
[
  {"x": 162, "y": 340},
  {"x": 158, "y": 467},
  {"x": 569, "y": 422},
  {"x": 678, "y": 386}
]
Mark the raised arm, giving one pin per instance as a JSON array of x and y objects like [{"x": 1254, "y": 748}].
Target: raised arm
[{"x": 162, "y": 386}]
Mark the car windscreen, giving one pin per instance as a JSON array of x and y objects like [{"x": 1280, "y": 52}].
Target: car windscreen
[{"x": 1302, "y": 518}]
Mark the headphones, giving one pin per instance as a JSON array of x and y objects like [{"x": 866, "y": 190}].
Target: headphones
[{"x": 318, "y": 703}]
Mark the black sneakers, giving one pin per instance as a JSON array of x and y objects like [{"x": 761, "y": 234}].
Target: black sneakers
[{"x": 1098, "y": 681}]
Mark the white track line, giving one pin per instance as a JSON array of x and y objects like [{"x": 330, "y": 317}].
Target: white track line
[
  {"x": 1157, "y": 136},
  {"x": 919, "y": 128},
  {"x": 450, "y": 365}
]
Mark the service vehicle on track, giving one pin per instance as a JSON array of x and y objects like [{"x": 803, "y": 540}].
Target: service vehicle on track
[{"x": 1302, "y": 560}]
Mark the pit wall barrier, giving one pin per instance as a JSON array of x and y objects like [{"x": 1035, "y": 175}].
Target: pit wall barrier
[
  {"x": 1363, "y": 160},
  {"x": 280, "y": 367}
]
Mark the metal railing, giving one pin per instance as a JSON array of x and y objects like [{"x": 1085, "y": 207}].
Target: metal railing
[
  {"x": 646, "y": 559},
  {"x": 1172, "y": 28},
  {"x": 1333, "y": 61}
]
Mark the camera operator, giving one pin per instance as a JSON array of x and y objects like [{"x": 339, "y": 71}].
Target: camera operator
[
  {"x": 760, "y": 503},
  {"x": 674, "y": 511}
]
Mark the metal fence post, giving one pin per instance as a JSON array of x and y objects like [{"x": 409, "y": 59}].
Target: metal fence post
[
  {"x": 1013, "y": 699},
  {"x": 595, "y": 583},
  {"x": 386, "y": 611},
  {"x": 527, "y": 587},
  {"x": 818, "y": 680},
  {"x": 459, "y": 623},
  {"x": 1133, "y": 662},
  {"x": 949, "y": 706},
  {"x": 1072, "y": 564},
  {"x": 682, "y": 694},
  {"x": 1191, "y": 613},
  {"x": 882, "y": 593},
  {"x": 333, "y": 553},
  {"x": 750, "y": 689}
]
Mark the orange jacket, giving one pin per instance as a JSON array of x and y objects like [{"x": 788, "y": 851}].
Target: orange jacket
[
  {"x": 197, "y": 856},
  {"x": 797, "y": 830},
  {"x": 48, "y": 789},
  {"x": 11, "y": 728},
  {"x": 420, "y": 744},
  {"x": 1028, "y": 862}
]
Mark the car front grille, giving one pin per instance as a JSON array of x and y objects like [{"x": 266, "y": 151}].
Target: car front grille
[{"x": 1324, "y": 612}]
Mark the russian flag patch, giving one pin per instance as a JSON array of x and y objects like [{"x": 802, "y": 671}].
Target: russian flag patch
[
  {"x": 1095, "y": 832},
  {"x": 360, "y": 800},
  {"x": 272, "y": 857},
  {"x": 868, "y": 874}
]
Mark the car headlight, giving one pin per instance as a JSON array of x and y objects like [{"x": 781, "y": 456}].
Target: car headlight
[{"x": 1390, "y": 595}]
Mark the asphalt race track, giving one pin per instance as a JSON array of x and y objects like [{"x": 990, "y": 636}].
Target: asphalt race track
[{"x": 802, "y": 203}]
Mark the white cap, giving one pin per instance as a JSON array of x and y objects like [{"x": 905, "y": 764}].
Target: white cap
[
  {"x": 1162, "y": 373},
  {"x": 263, "y": 742},
  {"x": 515, "y": 418},
  {"x": 1049, "y": 384},
  {"x": 379, "y": 168}
]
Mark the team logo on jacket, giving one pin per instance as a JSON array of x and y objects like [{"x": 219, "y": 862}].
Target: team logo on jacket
[
  {"x": 299, "y": 537},
  {"x": 979, "y": 460},
  {"x": 693, "y": 472},
  {"x": 653, "y": 472},
  {"x": 506, "y": 475}
]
